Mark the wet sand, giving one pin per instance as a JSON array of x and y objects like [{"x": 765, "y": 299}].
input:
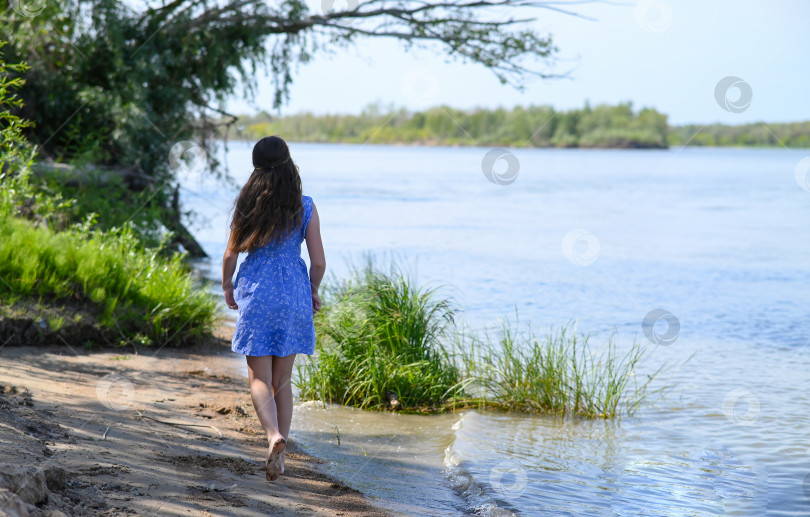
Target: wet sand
[{"x": 153, "y": 432}]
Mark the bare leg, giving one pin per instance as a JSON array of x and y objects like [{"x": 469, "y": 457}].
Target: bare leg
[
  {"x": 270, "y": 381},
  {"x": 260, "y": 375},
  {"x": 282, "y": 392}
]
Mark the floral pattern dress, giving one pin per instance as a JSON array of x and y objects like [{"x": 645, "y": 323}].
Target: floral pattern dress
[{"x": 272, "y": 290}]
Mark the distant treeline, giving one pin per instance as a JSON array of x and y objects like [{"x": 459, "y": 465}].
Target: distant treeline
[
  {"x": 601, "y": 126},
  {"x": 760, "y": 134}
]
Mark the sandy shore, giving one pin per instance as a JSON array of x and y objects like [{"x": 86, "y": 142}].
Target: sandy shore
[{"x": 98, "y": 433}]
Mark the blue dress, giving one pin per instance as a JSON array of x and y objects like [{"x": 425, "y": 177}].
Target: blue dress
[{"x": 272, "y": 290}]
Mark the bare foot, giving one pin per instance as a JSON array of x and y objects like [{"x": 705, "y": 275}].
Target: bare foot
[
  {"x": 273, "y": 466},
  {"x": 283, "y": 456}
]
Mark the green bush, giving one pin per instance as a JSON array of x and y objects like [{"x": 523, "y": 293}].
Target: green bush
[
  {"x": 377, "y": 332},
  {"x": 105, "y": 194}
]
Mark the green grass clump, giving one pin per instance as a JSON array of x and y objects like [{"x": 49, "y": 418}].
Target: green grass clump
[
  {"x": 378, "y": 332},
  {"x": 137, "y": 291},
  {"x": 559, "y": 373}
]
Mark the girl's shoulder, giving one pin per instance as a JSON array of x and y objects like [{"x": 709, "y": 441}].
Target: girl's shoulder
[{"x": 306, "y": 202}]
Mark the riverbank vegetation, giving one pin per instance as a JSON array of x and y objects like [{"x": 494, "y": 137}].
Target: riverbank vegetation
[
  {"x": 77, "y": 282},
  {"x": 132, "y": 294},
  {"x": 386, "y": 343},
  {"x": 602, "y": 126}
]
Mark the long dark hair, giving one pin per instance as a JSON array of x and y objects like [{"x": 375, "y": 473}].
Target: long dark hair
[{"x": 269, "y": 205}]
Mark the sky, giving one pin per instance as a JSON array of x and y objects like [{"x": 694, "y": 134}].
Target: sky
[{"x": 665, "y": 54}]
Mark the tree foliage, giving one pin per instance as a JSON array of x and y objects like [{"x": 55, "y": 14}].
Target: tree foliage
[
  {"x": 17, "y": 196},
  {"x": 117, "y": 85}
]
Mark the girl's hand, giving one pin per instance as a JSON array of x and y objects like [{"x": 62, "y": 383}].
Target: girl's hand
[
  {"x": 316, "y": 302},
  {"x": 229, "y": 300}
]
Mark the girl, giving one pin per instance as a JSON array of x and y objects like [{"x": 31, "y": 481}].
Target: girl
[{"x": 275, "y": 298}]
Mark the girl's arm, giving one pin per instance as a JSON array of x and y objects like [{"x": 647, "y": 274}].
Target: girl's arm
[
  {"x": 228, "y": 268},
  {"x": 317, "y": 260}
]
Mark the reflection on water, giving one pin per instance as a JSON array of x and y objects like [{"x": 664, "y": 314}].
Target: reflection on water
[{"x": 712, "y": 236}]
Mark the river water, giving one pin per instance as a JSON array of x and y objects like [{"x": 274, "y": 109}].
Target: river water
[{"x": 715, "y": 240}]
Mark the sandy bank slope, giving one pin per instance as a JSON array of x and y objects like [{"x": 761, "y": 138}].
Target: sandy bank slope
[{"x": 80, "y": 434}]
